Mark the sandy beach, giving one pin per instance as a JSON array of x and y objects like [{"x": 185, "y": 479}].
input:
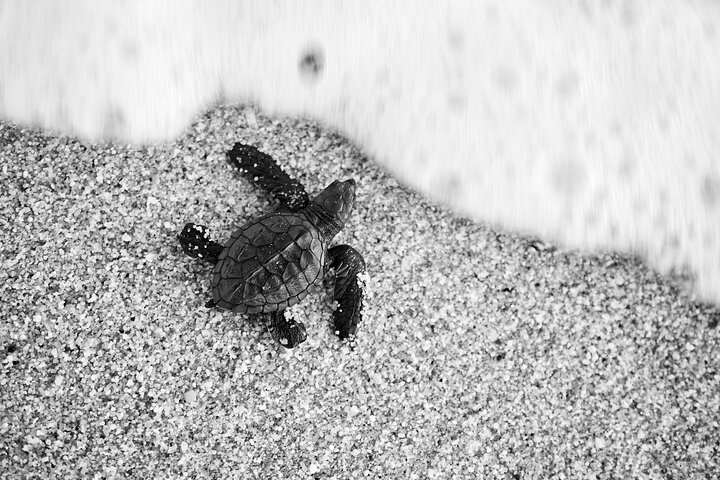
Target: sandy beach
[{"x": 483, "y": 354}]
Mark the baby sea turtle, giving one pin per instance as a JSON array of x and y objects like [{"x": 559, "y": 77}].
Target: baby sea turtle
[{"x": 271, "y": 262}]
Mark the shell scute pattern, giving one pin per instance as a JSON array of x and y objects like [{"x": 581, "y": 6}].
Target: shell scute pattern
[
  {"x": 306, "y": 258},
  {"x": 292, "y": 271},
  {"x": 276, "y": 225},
  {"x": 255, "y": 234},
  {"x": 269, "y": 264},
  {"x": 273, "y": 282},
  {"x": 283, "y": 239},
  {"x": 266, "y": 252},
  {"x": 277, "y": 267},
  {"x": 241, "y": 256}
]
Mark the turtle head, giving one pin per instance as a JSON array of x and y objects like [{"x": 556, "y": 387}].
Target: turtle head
[{"x": 337, "y": 200}]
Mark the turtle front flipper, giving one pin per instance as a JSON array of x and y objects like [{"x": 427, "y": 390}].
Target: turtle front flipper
[
  {"x": 196, "y": 243},
  {"x": 348, "y": 264},
  {"x": 264, "y": 172},
  {"x": 285, "y": 330}
]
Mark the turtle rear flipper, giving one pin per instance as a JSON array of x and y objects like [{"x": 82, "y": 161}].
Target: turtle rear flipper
[
  {"x": 348, "y": 264},
  {"x": 264, "y": 172},
  {"x": 196, "y": 243},
  {"x": 285, "y": 330}
]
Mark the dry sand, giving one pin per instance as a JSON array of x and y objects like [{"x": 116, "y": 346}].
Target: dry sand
[{"x": 482, "y": 354}]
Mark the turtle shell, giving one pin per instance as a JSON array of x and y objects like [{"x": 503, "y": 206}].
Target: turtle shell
[{"x": 268, "y": 264}]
